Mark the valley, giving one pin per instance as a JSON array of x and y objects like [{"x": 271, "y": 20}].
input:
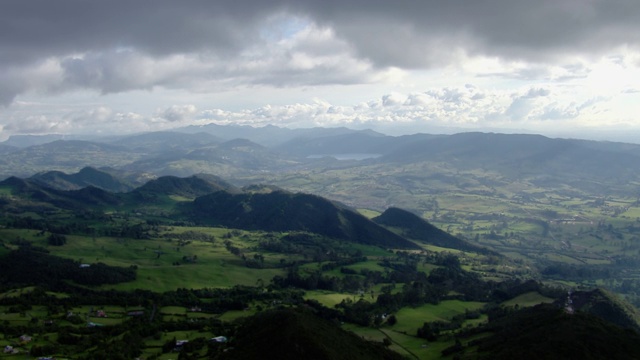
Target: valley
[{"x": 428, "y": 250}]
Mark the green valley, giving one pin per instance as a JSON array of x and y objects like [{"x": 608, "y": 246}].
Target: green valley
[{"x": 443, "y": 254}]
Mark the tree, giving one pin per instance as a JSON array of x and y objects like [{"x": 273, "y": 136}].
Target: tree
[
  {"x": 57, "y": 239},
  {"x": 392, "y": 320}
]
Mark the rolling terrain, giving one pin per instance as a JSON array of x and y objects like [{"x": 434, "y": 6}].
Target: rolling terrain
[{"x": 456, "y": 228}]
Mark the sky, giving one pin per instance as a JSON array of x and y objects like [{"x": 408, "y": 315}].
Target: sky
[{"x": 563, "y": 68}]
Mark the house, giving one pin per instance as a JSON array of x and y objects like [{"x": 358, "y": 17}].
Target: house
[
  {"x": 179, "y": 344},
  {"x": 219, "y": 339},
  {"x": 25, "y": 338},
  {"x": 101, "y": 313},
  {"x": 10, "y": 350},
  {"x": 84, "y": 266}
]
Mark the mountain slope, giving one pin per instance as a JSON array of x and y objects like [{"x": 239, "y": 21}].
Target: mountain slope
[
  {"x": 416, "y": 228},
  {"x": 521, "y": 155},
  {"x": 190, "y": 187},
  {"x": 68, "y": 156},
  {"x": 229, "y": 159},
  {"x": 26, "y": 194},
  {"x": 88, "y": 176},
  {"x": 361, "y": 142},
  {"x": 546, "y": 332},
  {"x": 607, "y": 306},
  {"x": 298, "y": 334},
  {"x": 270, "y": 135},
  {"x": 163, "y": 142},
  {"x": 282, "y": 211}
]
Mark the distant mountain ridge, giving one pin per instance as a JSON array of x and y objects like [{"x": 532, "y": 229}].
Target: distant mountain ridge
[
  {"x": 88, "y": 176},
  {"x": 521, "y": 155},
  {"x": 163, "y": 141},
  {"x": 243, "y": 151}
]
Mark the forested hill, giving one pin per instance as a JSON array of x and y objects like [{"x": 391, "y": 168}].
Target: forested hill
[
  {"x": 546, "y": 332},
  {"x": 607, "y": 306},
  {"x": 283, "y": 211},
  {"x": 216, "y": 203},
  {"x": 88, "y": 176},
  {"x": 189, "y": 187},
  {"x": 414, "y": 227},
  {"x": 298, "y": 334}
]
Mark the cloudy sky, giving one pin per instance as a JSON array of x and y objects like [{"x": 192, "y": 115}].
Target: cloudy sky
[{"x": 557, "y": 67}]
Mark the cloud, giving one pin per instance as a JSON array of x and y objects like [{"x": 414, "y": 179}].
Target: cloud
[
  {"x": 177, "y": 113},
  {"x": 464, "y": 107},
  {"x": 523, "y": 105},
  {"x": 116, "y": 46},
  {"x": 434, "y": 31},
  {"x": 310, "y": 57}
]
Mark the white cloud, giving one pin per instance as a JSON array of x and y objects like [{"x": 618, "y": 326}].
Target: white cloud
[
  {"x": 177, "y": 113},
  {"x": 117, "y": 66}
]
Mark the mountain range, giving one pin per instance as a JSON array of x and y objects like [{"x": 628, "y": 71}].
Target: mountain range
[
  {"x": 211, "y": 201},
  {"x": 236, "y": 152}
]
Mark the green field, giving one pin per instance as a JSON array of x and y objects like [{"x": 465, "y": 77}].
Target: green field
[
  {"x": 528, "y": 299},
  {"x": 410, "y": 319},
  {"x": 327, "y": 298}
]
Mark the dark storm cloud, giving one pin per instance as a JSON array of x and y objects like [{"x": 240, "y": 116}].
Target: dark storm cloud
[
  {"x": 32, "y": 29},
  {"x": 421, "y": 33},
  {"x": 389, "y": 32},
  {"x": 118, "y": 45}
]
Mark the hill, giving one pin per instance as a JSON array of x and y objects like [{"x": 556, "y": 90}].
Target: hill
[
  {"x": 64, "y": 155},
  {"x": 299, "y": 334},
  {"x": 237, "y": 157},
  {"x": 23, "y": 141},
  {"x": 416, "y": 228},
  {"x": 160, "y": 142},
  {"x": 270, "y": 135},
  {"x": 88, "y": 176},
  {"x": 516, "y": 155},
  {"x": 350, "y": 143},
  {"x": 5, "y": 149},
  {"x": 283, "y": 211},
  {"x": 30, "y": 195},
  {"x": 546, "y": 332},
  {"x": 607, "y": 306},
  {"x": 190, "y": 187}
]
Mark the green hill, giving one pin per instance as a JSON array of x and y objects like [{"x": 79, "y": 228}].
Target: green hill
[
  {"x": 193, "y": 186},
  {"x": 88, "y": 176},
  {"x": 282, "y": 211},
  {"x": 607, "y": 306},
  {"x": 416, "y": 228},
  {"x": 298, "y": 334},
  {"x": 26, "y": 193},
  {"x": 546, "y": 332},
  {"x": 218, "y": 203}
]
